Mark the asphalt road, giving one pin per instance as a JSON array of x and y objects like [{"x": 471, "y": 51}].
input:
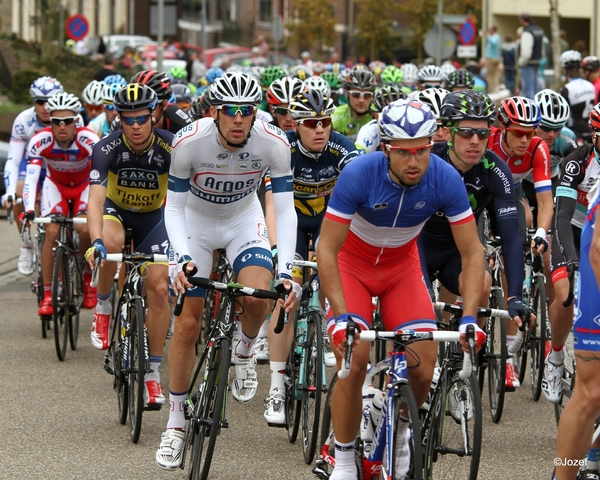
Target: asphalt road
[{"x": 59, "y": 419}]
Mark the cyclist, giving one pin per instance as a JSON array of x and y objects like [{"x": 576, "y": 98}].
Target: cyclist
[
  {"x": 212, "y": 200},
  {"x": 167, "y": 117},
  {"x": 460, "y": 80},
  {"x": 64, "y": 150},
  {"x": 200, "y": 106},
  {"x": 25, "y": 126},
  {"x": 431, "y": 76},
  {"x": 318, "y": 156},
  {"x": 368, "y": 248},
  {"x": 279, "y": 95},
  {"x": 349, "y": 118},
  {"x": 128, "y": 189},
  {"x": 410, "y": 77},
  {"x": 92, "y": 97},
  {"x": 368, "y": 139},
  {"x": 580, "y": 94},
  {"x": 591, "y": 70},
  {"x": 183, "y": 96},
  {"x": 102, "y": 123},
  {"x": 579, "y": 174},
  {"x": 576, "y": 424},
  {"x": 434, "y": 97}
]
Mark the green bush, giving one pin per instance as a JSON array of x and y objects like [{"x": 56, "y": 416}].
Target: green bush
[{"x": 22, "y": 80}]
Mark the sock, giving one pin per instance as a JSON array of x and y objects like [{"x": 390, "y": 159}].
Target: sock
[
  {"x": 245, "y": 347},
  {"x": 264, "y": 330},
  {"x": 277, "y": 375},
  {"x": 557, "y": 357},
  {"x": 344, "y": 455},
  {"x": 47, "y": 290},
  {"x": 155, "y": 367},
  {"x": 177, "y": 412},
  {"x": 509, "y": 340},
  {"x": 104, "y": 306}
]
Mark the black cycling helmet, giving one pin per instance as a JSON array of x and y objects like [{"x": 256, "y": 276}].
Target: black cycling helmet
[
  {"x": 386, "y": 95},
  {"x": 157, "y": 81},
  {"x": 182, "y": 93},
  {"x": 200, "y": 106},
  {"x": 134, "y": 97},
  {"x": 590, "y": 63},
  {"x": 362, "y": 79},
  {"x": 467, "y": 105},
  {"x": 461, "y": 79},
  {"x": 311, "y": 103}
]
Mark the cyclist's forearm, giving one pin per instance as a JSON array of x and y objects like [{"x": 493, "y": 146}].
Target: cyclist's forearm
[
  {"x": 95, "y": 210},
  {"x": 546, "y": 209},
  {"x": 31, "y": 183},
  {"x": 473, "y": 278}
]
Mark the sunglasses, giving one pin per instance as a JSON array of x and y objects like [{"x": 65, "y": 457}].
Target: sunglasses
[
  {"x": 232, "y": 110},
  {"x": 431, "y": 85},
  {"x": 405, "y": 153},
  {"x": 313, "y": 123},
  {"x": 546, "y": 129},
  {"x": 357, "y": 94},
  {"x": 60, "y": 121},
  {"x": 110, "y": 108},
  {"x": 141, "y": 120},
  {"x": 93, "y": 108},
  {"x": 516, "y": 132},
  {"x": 465, "y": 132},
  {"x": 40, "y": 101},
  {"x": 281, "y": 110}
]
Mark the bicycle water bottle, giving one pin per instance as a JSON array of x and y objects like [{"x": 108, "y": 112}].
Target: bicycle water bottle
[
  {"x": 377, "y": 409},
  {"x": 434, "y": 382},
  {"x": 366, "y": 430}
]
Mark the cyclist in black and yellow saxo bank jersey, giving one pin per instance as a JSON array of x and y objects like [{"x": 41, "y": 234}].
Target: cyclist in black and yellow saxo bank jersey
[{"x": 129, "y": 179}]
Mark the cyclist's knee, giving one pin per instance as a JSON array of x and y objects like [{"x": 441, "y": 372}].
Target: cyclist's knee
[
  {"x": 255, "y": 307},
  {"x": 187, "y": 329}
]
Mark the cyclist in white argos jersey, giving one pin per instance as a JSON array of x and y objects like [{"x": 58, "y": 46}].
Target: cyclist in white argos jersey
[
  {"x": 25, "y": 126},
  {"x": 216, "y": 166}
]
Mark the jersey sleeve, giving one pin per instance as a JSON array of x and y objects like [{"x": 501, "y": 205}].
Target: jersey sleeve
[
  {"x": 103, "y": 156},
  {"x": 16, "y": 150},
  {"x": 367, "y": 139},
  {"x": 348, "y": 151},
  {"x": 541, "y": 167}
]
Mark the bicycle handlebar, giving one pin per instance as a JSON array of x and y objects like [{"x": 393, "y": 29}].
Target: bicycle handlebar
[
  {"x": 60, "y": 219},
  {"x": 481, "y": 312},
  {"x": 9, "y": 211},
  {"x": 122, "y": 257}
]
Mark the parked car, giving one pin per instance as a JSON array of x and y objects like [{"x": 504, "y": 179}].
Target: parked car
[
  {"x": 148, "y": 52},
  {"x": 117, "y": 43},
  {"x": 211, "y": 54},
  {"x": 241, "y": 58}
]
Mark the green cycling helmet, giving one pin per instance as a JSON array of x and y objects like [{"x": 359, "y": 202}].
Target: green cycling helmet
[
  {"x": 270, "y": 75},
  {"x": 391, "y": 74},
  {"x": 332, "y": 79},
  {"x": 178, "y": 72}
]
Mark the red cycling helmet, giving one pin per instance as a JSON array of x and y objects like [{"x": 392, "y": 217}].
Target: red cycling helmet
[
  {"x": 595, "y": 118},
  {"x": 519, "y": 111}
]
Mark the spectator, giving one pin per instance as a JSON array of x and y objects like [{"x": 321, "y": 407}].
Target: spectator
[
  {"x": 108, "y": 67},
  {"x": 198, "y": 68},
  {"x": 101, "y": 49},
  {"x": 530, "y": 55},
  {"x": 580, "y": 47},
  {"x": 261, "y": 45},
  {"x": 564, "y": 44},
  {"x": 81, "y": 48},
  {"x": 509, "y": 59},
  {"x": 591, "y": 70},
  {"x": 305, "y": 57},
  {"x": 492, "y": 58},
  {"x": 333, "y": 58}
]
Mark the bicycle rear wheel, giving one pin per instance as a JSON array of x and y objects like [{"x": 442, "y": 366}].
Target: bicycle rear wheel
[
  {"x": 312, "y": 385},
  {"x": 453, "y": 447},
  {"x": 136, "y": 367},
  {"x": 61, "y": 300},
  {"x": 293, "y": 406},
  {"x": 405, "y": 406},
  {"x": 496, "y": 357},
  {"x": 539, "y": 336}
]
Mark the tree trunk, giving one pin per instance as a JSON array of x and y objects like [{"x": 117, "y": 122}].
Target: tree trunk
[{"x": 555, "y": 27}]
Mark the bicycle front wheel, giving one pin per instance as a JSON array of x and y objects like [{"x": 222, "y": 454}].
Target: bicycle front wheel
[
  {"x": 60, "y": 301},
  {"x": 120, "y": 350},
  {"x": 496, "y": 357},
  {"x": 405, "y": 460},
  {"x": 453, "y": 446},
  {"x": 312, "y": 385},
  {"x": 75, "y": 265},
  {"x": 539, "y": 337},
  {"x": 292, "y": 404},
  {"x": 136, "y": 367}
]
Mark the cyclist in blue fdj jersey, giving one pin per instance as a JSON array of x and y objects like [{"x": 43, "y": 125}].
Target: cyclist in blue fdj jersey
[
  {"x": 368, "y": 248},
  {"x": 318, "y": 156}
]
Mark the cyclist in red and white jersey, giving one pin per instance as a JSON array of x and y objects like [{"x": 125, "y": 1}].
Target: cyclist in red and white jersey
[
  {"x": 64, "y": 150},
  {"x": 368, "y": 247}
]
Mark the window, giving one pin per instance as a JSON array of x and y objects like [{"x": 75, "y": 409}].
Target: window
[{"x": 264, "y": 11}]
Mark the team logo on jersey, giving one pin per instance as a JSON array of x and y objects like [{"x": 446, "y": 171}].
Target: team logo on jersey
[
  {"x": 94, "y": 174},
  {"x": 243, "y": 166},
  {"x": 19, "y": 129},
  {"x": 222, "y": 156},
  {"x": 256, "y": 165},
  {"x": 572, "y": 168},
  {"x": 262, "y": 232},
  {"x": 419, "y": 205},
  {"x": 244, "y": 155},
  {"x": 380, "y": 206},
  {"x": 518, "y": 162},
  {"x": 138, "y": 178},
  {"x": 125, "y": 156}
]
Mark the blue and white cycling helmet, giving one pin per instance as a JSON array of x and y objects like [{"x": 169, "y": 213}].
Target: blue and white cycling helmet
[
  {"x": 213, "y": 73},
  {"x": 115, "y": 79},
  {"x": 406, "y": 119},
  {"x": 45, "y": 87},
  {"x": 109, "y": 92}
]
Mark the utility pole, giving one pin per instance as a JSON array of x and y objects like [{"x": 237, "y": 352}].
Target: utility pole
[{"x": 160, "y": 18}]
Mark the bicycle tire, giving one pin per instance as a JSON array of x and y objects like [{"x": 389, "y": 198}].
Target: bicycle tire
[
  {"x": 214, "y": 410},
  {"x": 293, "y": 406},
  {"x": 404, "y": 399},
  {"x": 136, "y": 367},
  {"x": 497, "y": 353},
  {"x": 520, "y": 358},
  {"x": 120, "y": 347},
  {"x": 312, "y": 385},
  {"x": 538, "y": 337},
  {"x": 445, "y": 455},
  {"x": 326, "y": 442},
  {"x": 75, "y": 266},
  {"x": 380, "y": 349},
  {"x": 60, "y": 301}
]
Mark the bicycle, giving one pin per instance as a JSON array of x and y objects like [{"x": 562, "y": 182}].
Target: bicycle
[
  {"x": 37, "y": 281},
  {"x": 206, "y": 402},
  {"x": 221, "y": 272},
  {"x": 305, "y": 369},
  {"x": 376, "y": 448},
  {"x": 127, "y": 357},
  {"x": 67, "y": 282}
]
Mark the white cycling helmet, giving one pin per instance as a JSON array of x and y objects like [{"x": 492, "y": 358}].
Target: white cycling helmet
[
  {"x": 434, "y": 98},
  {"x": 554, "y": 108},
  {"x": 63, "y": 101},
  {"x": 431, "y": 73},
  {"x": 45, "y": 87},
  {"x": 447, "y": 68},
  {"x": 93, "y": 93},
  {"x": 318, "y": 83},
  {"x": 409, "y": 73},
  {"x": 570, "y": 59},
  {"x": 283, "y": 90},
  {"x": 406, "y": 119},
  {"x": 237, "y": 88}
]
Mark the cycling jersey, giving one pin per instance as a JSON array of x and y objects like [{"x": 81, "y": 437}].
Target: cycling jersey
[
  {"x": 587, "y": 293},
  {"x": 536, "y": 160},
  {"x": 581, "y": 96},
  {"x": 264, "y": 116},
  {"x": 564, "y": 144},
  {"x": 368, "y": 138},
  {"x": 100, "y": 125},
  {"x": 488, "y": 184},
  {"x": 69, "y": 167},
  {"x": 175, "y": 119},
  {"x": 134, "y": 182},
  {"x": 207, "y": 180},
  {"x": 346, "y": 124}
]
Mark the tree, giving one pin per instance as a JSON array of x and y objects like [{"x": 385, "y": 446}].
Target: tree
[
  {"x": 374, "y": 29},
  {"x": 555, "y": 28},
  {"x": 49, "y": 15},
  {"x": 313, "y": 23}
]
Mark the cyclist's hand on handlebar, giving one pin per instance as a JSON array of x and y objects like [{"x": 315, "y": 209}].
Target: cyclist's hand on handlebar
[
  {"x": 178, "y": 271},
  {"x": 28, "y": 217},
  {"x": 517, "y": 310},
  {"x": 539, "y": 243},
  {"x": 293, "y": 291},
  {"x": 480, "y": 335},
  {"x": 90, "y": 254}
]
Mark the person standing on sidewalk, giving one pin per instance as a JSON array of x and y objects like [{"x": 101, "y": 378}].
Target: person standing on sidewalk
[
  {"x": 530, "y": 55},
  {"x": 492, "y": 58}
]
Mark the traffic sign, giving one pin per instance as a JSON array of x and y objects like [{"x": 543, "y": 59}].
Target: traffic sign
[
  {"x": 466, "y": 51},
  {"x": 467, "y": 33},
  {"x": 432, "y": 42},
  {"x": 77, "y": 27},
  {"x": 277, "y": 29}
]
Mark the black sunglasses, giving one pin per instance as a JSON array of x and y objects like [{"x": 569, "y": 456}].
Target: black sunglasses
[
  {"x": 465, "y": 132},
  {"x": 550, "y": 129},
  {"x": 62, "y": 121}
]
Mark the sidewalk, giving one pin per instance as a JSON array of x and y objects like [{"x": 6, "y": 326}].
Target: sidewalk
[{"x": 9, "y": 253}]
